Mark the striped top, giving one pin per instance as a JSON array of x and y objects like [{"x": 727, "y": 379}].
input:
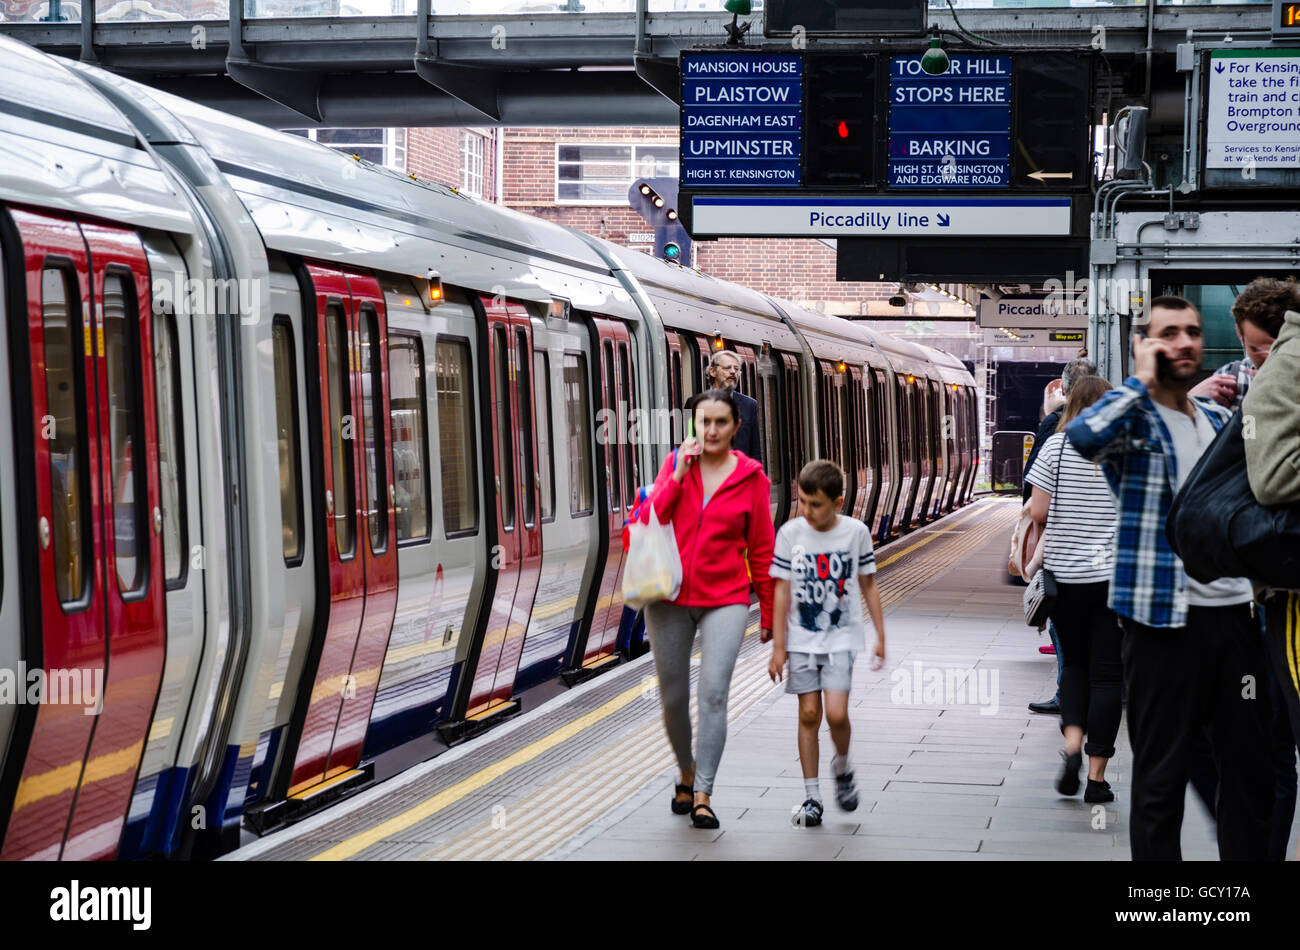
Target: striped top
[{"x": 1082, "y": 518}]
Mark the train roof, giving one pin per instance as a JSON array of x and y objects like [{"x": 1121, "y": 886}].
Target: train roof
[
  {"x": 312, "y": 200},
  {"x": 66, "y": 146},
  {"x": 687, "y": 299}
]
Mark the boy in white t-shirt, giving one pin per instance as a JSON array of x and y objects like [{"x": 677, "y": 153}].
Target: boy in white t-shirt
[{"x": 818, "y": 625}]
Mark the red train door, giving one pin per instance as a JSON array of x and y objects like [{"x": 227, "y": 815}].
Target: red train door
[
  {"x": 378, "y": 537},
  {"x": 518, "y": 557},
  {"x": 99, "y": 557},
  {"x": 340, "y": 433},
  {"x": 618, "y": 399}
]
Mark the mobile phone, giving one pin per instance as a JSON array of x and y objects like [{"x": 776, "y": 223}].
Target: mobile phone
[{"x": 690, "y": 433}]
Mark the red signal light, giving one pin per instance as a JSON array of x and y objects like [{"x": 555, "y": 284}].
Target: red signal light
[{"x": 843, "y": 129}]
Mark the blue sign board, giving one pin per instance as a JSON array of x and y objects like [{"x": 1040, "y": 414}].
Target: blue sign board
[
  {"x": 742, "y": 120},
  {"x": 952, "y": 130}
]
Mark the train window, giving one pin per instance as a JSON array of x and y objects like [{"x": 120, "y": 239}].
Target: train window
[
  {"x": 505, "y": 430},
  {"x": 772, "y": 443},
  {"x": 372, "y": 429},
  {"x": 456, "y": 441},
  {"x": 542, "y": 405},
  {"x": 611, "y": 451},
  {"x": 675, "y": 394},
  {"x": 577, "y": 414},
  {"x": 524, "y": 435},
  {"x": 286, "y": 428},
  {"x": 406, "y": 410},
  {"x": 127, "y": 453},
  {"x": 171, "y": 459},
  {"x": 69, "y": 498},
  {"x": 631, "y": 463},
  {"x": 337, "y": 365}
]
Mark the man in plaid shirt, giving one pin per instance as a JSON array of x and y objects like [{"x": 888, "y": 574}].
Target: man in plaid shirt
[{"x": 1193, "y": 657}]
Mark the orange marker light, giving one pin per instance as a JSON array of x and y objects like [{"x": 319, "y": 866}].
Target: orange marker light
[
  {"x": 911, "y": 378},
  {"x": 842, "y": 366}
]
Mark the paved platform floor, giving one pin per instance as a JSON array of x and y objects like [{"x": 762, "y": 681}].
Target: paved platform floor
[{"x": 963, "y": 772}]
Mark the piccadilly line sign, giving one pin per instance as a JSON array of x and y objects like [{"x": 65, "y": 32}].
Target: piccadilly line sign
[{"x": 956, "y": 216}]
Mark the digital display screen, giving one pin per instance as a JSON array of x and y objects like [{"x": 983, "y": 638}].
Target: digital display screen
[{"x": 1286, "y": 17}]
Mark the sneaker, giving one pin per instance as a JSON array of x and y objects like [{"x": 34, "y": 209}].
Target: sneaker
[
  {"x": 1098, "y": 792},
  {"x": 1068, "y": 783},
  {"x": 807, "y": 815},
  {"x": 846, "y": 793}
]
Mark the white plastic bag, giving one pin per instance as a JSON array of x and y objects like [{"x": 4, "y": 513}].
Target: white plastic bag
[{"x": 652, "y": 569}]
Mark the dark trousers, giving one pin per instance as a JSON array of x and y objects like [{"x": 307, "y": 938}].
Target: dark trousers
[
  {"x": 1091, "y": 679},
  {"x": 1210, "y": 674},
  {"x": 1282, "y": 624}
]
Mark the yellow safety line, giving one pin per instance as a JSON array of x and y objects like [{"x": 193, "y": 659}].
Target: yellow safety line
[
  {"x": 449, "y": 796},
  {"x": 412, "y": 816}
]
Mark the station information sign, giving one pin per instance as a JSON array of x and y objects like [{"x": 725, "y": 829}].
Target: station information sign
[
  {"x": 952, "y": 130},
  {"x": 742, "y": 120},
  {"x": 1252, "y": 115}
]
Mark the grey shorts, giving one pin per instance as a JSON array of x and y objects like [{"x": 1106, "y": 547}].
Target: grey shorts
[{"x": 814, "y": 672}]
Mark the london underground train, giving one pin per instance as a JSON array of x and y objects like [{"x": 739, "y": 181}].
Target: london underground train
[{"x": 305, "y": 460}]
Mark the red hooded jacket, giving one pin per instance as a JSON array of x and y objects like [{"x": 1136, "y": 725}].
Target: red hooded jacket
[{"x": 713, "y": 539}]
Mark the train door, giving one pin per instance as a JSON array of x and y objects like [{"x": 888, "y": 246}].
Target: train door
[
  {"x": 675, "y": 368},
  {"x": 905, "y": 397},
  {"x": 519, "y": 532},
  {"x": 885, "y": 447},
  {"x": 622, "y": 474},
  {"x": 771, "y": 427},
  {"x": 358, "y": 557},
  {"x": 794, "y": 433},
  {"x": 863, "y": 482},
  {"x": 930, "y": 449},
  {"x": 94, "y": 497}
]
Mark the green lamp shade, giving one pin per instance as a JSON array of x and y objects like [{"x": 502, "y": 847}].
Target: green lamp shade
[
  {"x": 934, "y": 61},
  {"x": 738, "y": 7}
]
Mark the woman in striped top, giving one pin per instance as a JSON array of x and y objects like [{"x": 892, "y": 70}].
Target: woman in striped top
[{"x": 1072, "y": 497}]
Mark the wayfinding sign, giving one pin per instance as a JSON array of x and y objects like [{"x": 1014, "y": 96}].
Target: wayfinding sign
[
  {"x": 742, "y": 120},
  {"x": 1034, "y": 313},
  {"x": 797, "y": 216},
  {"x": 951, "y": 130},
  {"x": 1252, "y": 117}
]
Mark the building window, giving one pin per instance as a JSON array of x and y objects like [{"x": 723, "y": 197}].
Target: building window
[
  {"x": 602, "y": 174},
  {"x": 471, "y": 163},
  {"x": 380, "y": 146}
]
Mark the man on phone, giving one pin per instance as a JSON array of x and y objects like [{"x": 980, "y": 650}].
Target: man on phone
[
  {"x": 1193, "y": 657},
  {"x": 724, "y": 373}
]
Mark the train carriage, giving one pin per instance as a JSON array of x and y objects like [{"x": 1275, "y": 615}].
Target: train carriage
[{"x": 313, "y": 463}]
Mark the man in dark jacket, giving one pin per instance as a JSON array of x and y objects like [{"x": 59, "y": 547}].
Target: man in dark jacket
[{"x": 724, "y": 372}]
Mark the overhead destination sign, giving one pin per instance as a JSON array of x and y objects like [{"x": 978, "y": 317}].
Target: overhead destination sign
[
  {"x": 1252, "y": 117},
  {"x": 777, "y": 216},
  {"x": 952, "y": 130},
  {"x": 742, "y": 120}
]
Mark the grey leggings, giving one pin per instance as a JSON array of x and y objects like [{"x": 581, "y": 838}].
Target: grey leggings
[{"x": 672, "y": 634}]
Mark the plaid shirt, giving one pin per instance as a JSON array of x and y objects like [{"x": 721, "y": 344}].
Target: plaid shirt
[
  {"x": 1124, "y": 431},
  {"x": 1244, "y": 371}
]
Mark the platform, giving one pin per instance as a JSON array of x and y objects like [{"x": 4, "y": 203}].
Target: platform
[{"x": 967, "y": 775}]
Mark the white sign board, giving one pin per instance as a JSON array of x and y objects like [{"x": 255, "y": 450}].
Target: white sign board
[
  {"x": 1007, "y": 336},
  {"x": 1252, "y": 117},
  {"x": 798, "y": 216},
  {"x": 1034, "y": 312},
  {"x": 640, "y": 237}
]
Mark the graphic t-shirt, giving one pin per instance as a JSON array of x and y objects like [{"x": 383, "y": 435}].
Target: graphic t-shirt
[{"x": 823, "y": 569}]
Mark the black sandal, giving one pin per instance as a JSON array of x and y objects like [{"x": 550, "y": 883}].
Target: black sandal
[
  {"x": 703, "y": 821},
  {"x": 682, "y": 807}
]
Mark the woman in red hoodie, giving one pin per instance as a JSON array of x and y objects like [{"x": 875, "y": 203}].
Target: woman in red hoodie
[{"x": 717, "y": 500}]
